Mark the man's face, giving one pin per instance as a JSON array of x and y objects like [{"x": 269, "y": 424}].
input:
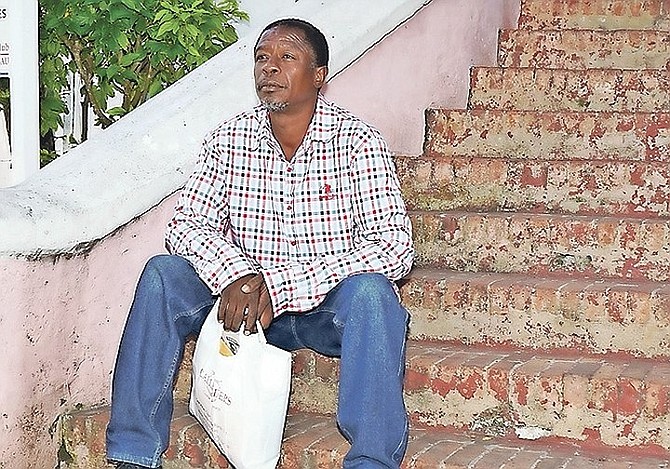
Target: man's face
[{"x": 285, "y": 74}]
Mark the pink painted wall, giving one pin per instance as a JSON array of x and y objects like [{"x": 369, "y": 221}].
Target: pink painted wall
[
  {"x": 61, "y": 319},
  {"x": 59, "y": 328}
]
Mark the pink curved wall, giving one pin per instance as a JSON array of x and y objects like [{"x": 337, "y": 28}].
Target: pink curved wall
[
  {"x": 61, "y": 319},
  {"x": 60, "y": 323}
]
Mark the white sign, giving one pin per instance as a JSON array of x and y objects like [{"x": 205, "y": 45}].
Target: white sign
[{"x": 19, "y": 75}]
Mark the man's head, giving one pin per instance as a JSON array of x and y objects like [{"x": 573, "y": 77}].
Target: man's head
[
  {"x": 291, "y": 64},
  {"x": 312, "y": 34}
]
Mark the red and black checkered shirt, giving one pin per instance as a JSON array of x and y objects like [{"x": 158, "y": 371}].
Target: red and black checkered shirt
[{"x": 332, "y": 211}]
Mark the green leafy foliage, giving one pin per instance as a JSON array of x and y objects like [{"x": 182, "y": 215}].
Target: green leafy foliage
[{"x": 128, "y": 48}]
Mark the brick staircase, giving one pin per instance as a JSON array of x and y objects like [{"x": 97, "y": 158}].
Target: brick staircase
[{"x": 540, "y": 331}]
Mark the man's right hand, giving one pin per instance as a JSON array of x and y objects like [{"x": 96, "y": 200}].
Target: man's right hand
[{"x": 246, "y": 300}]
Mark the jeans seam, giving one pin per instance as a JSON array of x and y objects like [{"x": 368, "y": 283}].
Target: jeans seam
[
  {"x": 167, "y": 385},
  {"x": 192, "y": 311},
  {"x": 399, "y": 451},
  {"x": 295, "y": 333},
  {"x": 129, "y": 458},
  {"x": 154, "y": 410}
]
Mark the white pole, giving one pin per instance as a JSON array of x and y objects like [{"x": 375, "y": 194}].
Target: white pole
[{"x": 18, "y": 34}]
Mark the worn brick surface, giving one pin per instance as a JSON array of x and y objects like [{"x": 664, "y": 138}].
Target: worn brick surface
[
  {"x": 535, "y": 89},
  {"x": 595, "y": 14},
  {"x": 583, "y": 49},
  {"x": 312, "y": 441},
  {"x": 548, "y": 135},
  {"x": 594, "y": 315},
  {"x": 551, "y": 244},
  {"x": 584, "y": 187},
  {"x": 619, "y": 400}
]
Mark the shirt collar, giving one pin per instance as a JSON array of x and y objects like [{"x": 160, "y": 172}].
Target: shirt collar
[
  {"x": 325, "y": 121},
  {"x": 322, "y": 128}
]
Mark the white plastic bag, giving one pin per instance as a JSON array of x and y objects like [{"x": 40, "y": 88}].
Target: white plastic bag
[{"x": 241, "y": 400}]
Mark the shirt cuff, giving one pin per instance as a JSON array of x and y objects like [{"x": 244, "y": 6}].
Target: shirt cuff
[{"x": 281, "y": 287}]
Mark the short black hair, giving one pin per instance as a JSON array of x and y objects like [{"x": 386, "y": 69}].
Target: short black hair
[{"x": 313, "y": 35}]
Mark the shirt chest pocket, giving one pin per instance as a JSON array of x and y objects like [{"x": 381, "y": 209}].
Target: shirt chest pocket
[
  {"x": 327, "y": 198},
  {"x": 324, "y": 213}
]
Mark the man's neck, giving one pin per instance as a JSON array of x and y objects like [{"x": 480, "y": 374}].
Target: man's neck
[{"x": 289, "y": 128}]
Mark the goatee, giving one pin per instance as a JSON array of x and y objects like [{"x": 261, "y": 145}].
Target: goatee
[{"x": 274, "y": 106}]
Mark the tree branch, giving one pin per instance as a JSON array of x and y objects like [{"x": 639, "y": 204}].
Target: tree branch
[{"x": 75, "y": 49}]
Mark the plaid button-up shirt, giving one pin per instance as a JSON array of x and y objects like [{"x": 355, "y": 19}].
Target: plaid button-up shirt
[{"x": 332, "y": 211}]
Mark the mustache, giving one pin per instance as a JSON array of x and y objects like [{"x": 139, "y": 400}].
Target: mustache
[{"x": 264, "y": 83}]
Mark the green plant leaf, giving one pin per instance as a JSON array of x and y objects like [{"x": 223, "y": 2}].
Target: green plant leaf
[
  {"x": 116, "y": 111},
  {"x": 165, "y": 27},
  {"x": 132, "y": 4},
  {"x": 133, "y": 47}
]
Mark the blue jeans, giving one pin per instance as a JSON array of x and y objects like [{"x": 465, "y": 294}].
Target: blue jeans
[{"x": 361, "y": 320}]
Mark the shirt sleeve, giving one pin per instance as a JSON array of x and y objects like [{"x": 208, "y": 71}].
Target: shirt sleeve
[
  {"x": 198, "y": 229},
  {"x": 382, "y": 235}
]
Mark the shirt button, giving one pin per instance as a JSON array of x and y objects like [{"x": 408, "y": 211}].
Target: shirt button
[
  {"x": 289, "y": 207},
  {"x": 294, "y": 242},
  {"x": 289, "y": 169}
]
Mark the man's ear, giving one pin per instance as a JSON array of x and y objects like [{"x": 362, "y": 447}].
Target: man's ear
[{"x": 320, "y": 75}]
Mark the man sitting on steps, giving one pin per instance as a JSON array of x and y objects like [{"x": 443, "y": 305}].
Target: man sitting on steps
[{"x": 293, "y": 217}]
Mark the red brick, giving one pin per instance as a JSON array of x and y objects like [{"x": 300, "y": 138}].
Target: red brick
[
  {"x": 657, "y": 397},
  {"x": 328, "y": 368},
  {"x": 496, "y": 456},
  {"x": 595, "y": 301},
  {"x": 521, "y": 295},
  {"x": 570, "y": 300},
  {"x": 576, "y": 383},
  {"x": 545, "y": 297},
  {"x": 470, "y": 384},
  {"x": 604, "y": 389},
  {"x": 455, "y": 296},
  {"x": 661, "y": 302},
  {"x": 552, "y": 384},
  {"x": 617, "y": 305},
  {"x": 551, "y": 463},
  {"x": 463, "y": 457},
  {"x": 524, "y": 378},
  {"x": 525, "y": 460},
  {"x": 499, "y": 378},
  {"x": 500, "y": 297},
  {"x": 301, "y": 361},
  {"x": 430, "y": 455}
]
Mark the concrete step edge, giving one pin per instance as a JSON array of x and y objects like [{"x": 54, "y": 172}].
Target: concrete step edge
[
  {"x": 581, "y": 48},
  {"x": 603, "y": 14}
]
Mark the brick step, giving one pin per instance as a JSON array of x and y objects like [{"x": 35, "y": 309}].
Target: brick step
[
  {"x": 595, "y": 14},
  {"x": 591, "y": 316},
  {"x": 539, "y": 244},
  {"x": 595, "y": 316},
  {"x": 313, "y": 442},
  {"x": 602, "y": 187},
  {"x": 582, "y": 49},
  {"x": 548, "y": 135},
  {"x": 605, "y": 399},
  {"x": 534, "y": 89}
]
